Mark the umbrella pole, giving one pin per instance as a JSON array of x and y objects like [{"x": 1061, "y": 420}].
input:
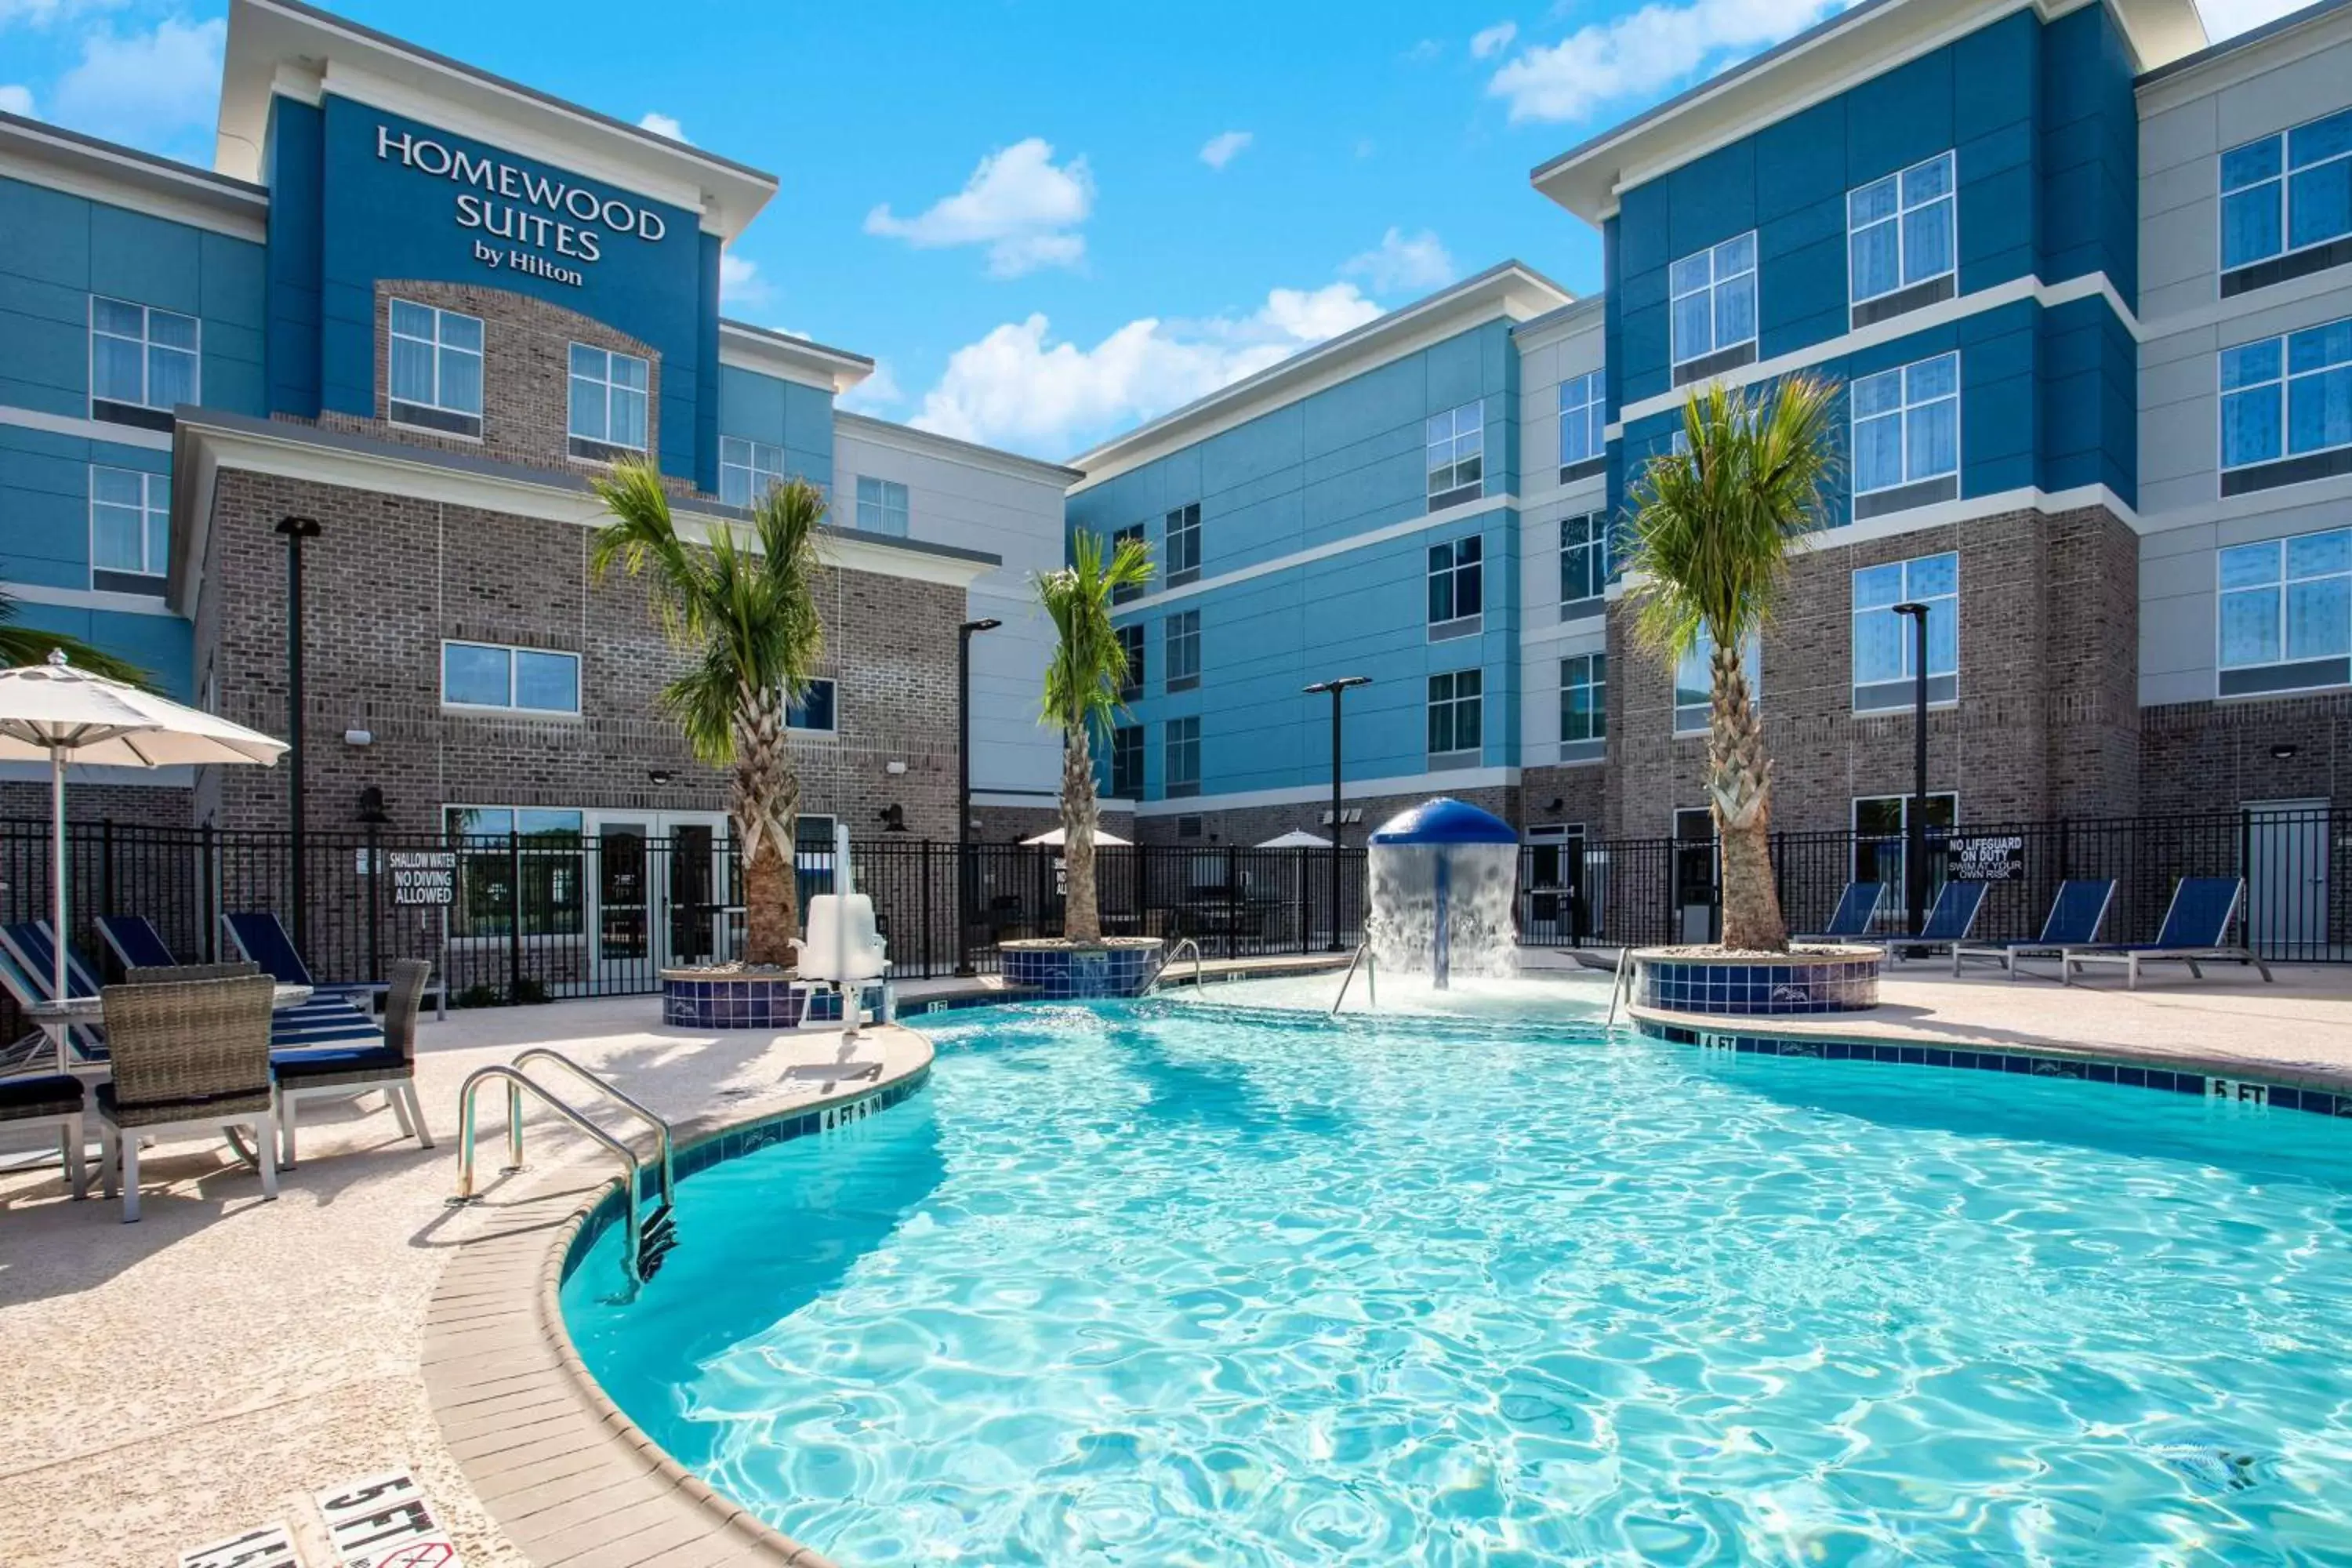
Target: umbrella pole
[{"x": 58, "y": 869}]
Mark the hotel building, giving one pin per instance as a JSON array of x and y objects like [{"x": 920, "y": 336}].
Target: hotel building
[{"x": 2086, "y": 284}]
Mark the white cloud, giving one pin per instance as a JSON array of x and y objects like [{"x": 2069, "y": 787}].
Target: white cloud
[
  {"x": 1403, "y": 261},
  {"x": 1634, "y": 55},
  {"x": 1424, "y": 51},
  {"x": 1222, "y": 148},
  {"x": 2227, "y": 18},
  {"x": 1019, "y": 386},
  {"x": 1493, "y": 40},
  {"x": 876, "y": 391},
  {"x": 16, "y": 99},
  {"x": 739, "y": 283},
  {"x": 147, "y": 89},
  {"x": 663, "y": 125},
  {"x": 1018, "y": 202},
  {"x": 41, "y": 13}
]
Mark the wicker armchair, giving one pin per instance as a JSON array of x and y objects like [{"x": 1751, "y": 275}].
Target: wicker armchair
[
  {"x": 345, "y": 1072},
  {"x": 187, "y": 1055},
  {"x": 173, "y": 975}
]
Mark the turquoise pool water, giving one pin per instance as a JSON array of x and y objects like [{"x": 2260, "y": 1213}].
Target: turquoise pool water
[{"x": 1156, "y": 1284}]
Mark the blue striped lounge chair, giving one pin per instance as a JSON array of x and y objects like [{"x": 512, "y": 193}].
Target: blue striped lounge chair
[
  {"x": 2075, "y": 916},
  {"x": 2196, "y": 931},
  {"x": 1856, "y": 908}
]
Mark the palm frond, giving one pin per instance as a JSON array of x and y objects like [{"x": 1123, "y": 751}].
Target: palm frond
[{"x": 1088, "y": 664}]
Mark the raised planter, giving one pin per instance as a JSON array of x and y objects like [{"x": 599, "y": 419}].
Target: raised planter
[
  {"x": 732, "y": 999},
  {"x": 1756, "y": 984},
  {"x": 1118, "y": 966}
]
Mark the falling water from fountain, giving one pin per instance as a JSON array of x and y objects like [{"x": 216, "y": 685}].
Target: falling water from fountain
[{"x": 1445, "y": 876}]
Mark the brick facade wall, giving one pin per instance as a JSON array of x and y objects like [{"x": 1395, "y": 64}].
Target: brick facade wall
[
  {"x": 526, "y": 375},
  {"x": 1246, "y": 825},
  {"x": 391, "y": 577},
  {"x": 139, "y": 806},
  {"x": 2217, "y": 756}
]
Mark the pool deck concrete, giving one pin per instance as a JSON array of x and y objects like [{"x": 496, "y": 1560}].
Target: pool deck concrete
[{"x": 199, "y": 1374}]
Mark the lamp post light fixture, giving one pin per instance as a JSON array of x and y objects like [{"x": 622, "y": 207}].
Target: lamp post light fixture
[
  {"x": 1335, "y": 688},
  {"x": 963, "y": 788},
  {"x": 1915, "y": 820},
  {"x": 294, "y": 531}
]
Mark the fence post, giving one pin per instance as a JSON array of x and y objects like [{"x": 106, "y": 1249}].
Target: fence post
[
  {"x": 1780, "y": 874},
  {"x": 928, "y": 911},
  {"x": 514, "y": 914},
  {"x": 1233, "y": 904},
  {"x": 106, "y": 865},
  {"x": 375, "y": 903},
  {"x": 208, "y": 874}
]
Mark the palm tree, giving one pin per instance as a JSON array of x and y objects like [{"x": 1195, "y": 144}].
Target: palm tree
[
  {"x": 25, "y": 644},
  {"x": 1710, "y": 534},
  {"x": 1082, "y": 682},
  {"x": 749, "y": 619}
]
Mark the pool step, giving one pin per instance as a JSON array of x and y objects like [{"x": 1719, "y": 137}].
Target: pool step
[{"x": 654, "y": 1244}]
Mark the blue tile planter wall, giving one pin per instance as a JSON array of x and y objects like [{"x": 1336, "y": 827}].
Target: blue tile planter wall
[
  {"x": 1060, "y": 974},
  {"x": 699, "y": 999},
  {"x": 1756, "y": 986}
]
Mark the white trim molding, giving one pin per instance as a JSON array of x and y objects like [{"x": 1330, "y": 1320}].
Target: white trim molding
[
  {"x": 42, "y": 154},
  {"x": 788, "y": 358},
  {"x": 1351, "y": 789},
  {"x": 88, "y": 599},
  {"x": 87, "y": 429}
]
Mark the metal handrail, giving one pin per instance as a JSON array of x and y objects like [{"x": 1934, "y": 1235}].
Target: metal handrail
[
  {"x": 1173, "y": 954},
  {"x": 516, "y": 1082},
  {"x": 604, "y": 1088},
  {"x": 1371, "y": 977},
  {"x": 1617, "y": 986}
]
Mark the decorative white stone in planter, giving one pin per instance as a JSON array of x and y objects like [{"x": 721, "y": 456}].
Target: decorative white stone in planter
[
  {"x": 1116, "y": 966},
  {"x": 1820, "y": 979}
]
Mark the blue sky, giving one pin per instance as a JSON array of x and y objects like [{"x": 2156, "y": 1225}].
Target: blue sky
[{"x": 1046, "y": 222}]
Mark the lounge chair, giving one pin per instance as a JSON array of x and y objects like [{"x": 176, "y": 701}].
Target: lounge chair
[
  {"x": 2075, "y": 916},
  {"x": 1949, "y": 920},
  {"x": 389, "y": 1065},
  {"x": 257, "y": 935},
  {"x": 136, "y": 941},
  {"x": 322, "y": 1021},
  {"x": 1856, "y": 908},
  {"x": 188, "y": 1055},
  {"x": 28, "y": 971},
  {"x": 49, "y": 1099},
  {"x": 2195, "y": 931}
]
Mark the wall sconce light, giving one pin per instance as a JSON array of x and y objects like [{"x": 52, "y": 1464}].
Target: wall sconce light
[
  {"x": 893, "y": 769},
  {"x": 894, "y": 818},
  {"x": 2284, "y": 752},
  {"x": 371, "y": 812},
  {"x": 660, "y": 775},
  {"x": 359, "y": 737},
  {"x": 1558, "y": 804}
]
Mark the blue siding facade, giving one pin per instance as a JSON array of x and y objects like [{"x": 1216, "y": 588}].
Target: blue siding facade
[{"x": 1319, "y": 475}]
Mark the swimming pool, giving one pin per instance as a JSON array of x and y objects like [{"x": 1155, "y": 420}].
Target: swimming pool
[{"x": 1145, "y": 1283}]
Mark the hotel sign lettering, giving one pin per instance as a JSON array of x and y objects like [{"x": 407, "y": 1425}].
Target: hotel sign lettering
[{"x": 544, "y": 220}]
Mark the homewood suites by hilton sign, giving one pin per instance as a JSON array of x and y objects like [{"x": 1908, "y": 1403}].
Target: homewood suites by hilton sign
[{"x": 527, "y": 209}]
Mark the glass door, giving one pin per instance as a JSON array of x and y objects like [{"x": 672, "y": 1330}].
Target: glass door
[
  {"x": 624, "y": 886},
  {"x": 694, "y": 890}
]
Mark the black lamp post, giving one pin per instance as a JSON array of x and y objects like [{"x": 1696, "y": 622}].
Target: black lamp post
[
  {"x": 295, "y": 529},
  {"x": 1335, "y": 688},
  {"x": 963, "y": 788},
  {"x": 1915, "y": 820}
]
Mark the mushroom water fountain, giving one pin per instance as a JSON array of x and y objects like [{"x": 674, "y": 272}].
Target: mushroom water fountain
[{"x": 1445, "y": 876}]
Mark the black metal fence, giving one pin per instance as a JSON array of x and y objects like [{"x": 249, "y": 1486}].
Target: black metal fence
[
  {"x": 534, "y": 917},
  {"x": 2297, "y": 861}
]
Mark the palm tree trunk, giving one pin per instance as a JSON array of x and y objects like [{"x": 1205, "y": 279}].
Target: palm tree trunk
[
  {"x": 1081, "y": 920},
  {"x": 1739, "y": 782},
  {"x": 765, "y": 805}
]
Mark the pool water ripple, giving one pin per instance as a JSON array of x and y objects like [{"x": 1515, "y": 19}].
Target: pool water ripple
[{"x": 1157, "y": 1284}]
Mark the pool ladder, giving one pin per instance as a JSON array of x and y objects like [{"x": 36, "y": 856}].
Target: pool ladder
[
  {"x": 1372, "y": 978},
  {"x": 646, "y": 1240},
  {"x": 1173, "y": 954}
]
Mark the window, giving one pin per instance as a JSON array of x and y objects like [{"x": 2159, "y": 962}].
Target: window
[
  {"x": 1880, "y": 824},
  {"x": 1694, "y": 682},
  {"x": 434, "y": 380},
  {"x": 1131, "y": 643},
  {"x": 1584, "y": 416},
  {"x": 1183, "y": 652},
  {"x": 142, "y": 363},
  {"x": 1132, "y": 531},
  {"x": 881, "y": 506},
  {"x": 486, "y": 674},
  {"x": 495, "y": 844},
  {"x": 130, "y": 529},
  {"x": 1184, "y": 545},
  {"x": 2286, "y": 622},
  {"x": 1457, "y": 443},
  {"x": 1583, "y": 707},
  {"x": 1906, "y": 436},
  {"x": 1899, "y": 241},
  {"x": 1583, "y": 561},
  {"x": 608, "y": 403},
  {"x": 2286, "y": 408},
  {"x": 2287, "y": 205},
  {"x": 1126, "y": 762},
  {"x": 1713, "y": 308},
  {"x": 1454, "y": 600},
  {"x": 747, "y": 470},
  {"x": 812, "y": 710},
  {"x": 1885, "y": 645},
  {"x": 1183, "y": 757},
  {"x": 1455, "y": 718}
]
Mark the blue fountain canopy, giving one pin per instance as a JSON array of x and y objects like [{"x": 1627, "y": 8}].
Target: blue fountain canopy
[{"x": 1444, "y": 821}]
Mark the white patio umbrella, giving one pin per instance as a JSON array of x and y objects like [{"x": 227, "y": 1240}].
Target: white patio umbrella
[
  {"x": 1297, "y": 838},
  {"x": 47, "y": 711},
  {"x": 1102, "y": 838}
]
